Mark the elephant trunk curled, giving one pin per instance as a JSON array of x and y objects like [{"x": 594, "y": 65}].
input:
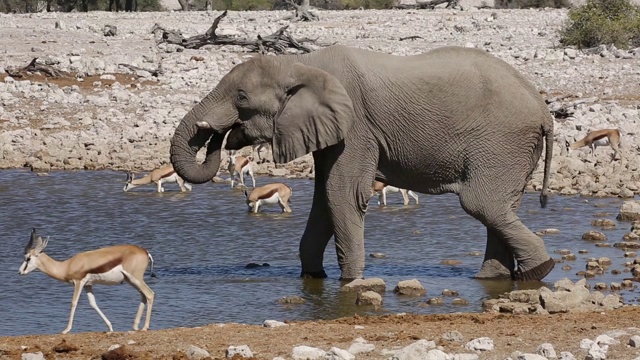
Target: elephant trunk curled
[{"x": 187, "y": 140}]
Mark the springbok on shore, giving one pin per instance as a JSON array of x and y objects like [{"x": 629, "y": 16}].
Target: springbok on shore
[
  {"x": 238, "y": 167},
  {"x": 270, "y": 194},
  {"x": 161, "y": 175},
  {"x": 257, "y": 149},
  {"x": 603, "y": 137},
  {"x": 111, "y": 265},
  {"x": 382, "y": 189}
]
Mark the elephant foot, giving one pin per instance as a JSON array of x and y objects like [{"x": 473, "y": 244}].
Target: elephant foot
[
  {"x": 494, "y": 270},
  {"x": 313, "y": 274},
  {"x": 537, "y": 273}
]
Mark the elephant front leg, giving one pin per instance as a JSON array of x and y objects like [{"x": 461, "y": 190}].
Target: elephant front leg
[
  {"x": 316, "y": 236},
  {"x": 319, "y": 229},
  {"x": 499, "y": 262},
  {"x": 348, "y": 205}
]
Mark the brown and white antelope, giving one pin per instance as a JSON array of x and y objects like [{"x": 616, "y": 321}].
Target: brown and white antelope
[
  {"x": 270, "y": 194},
  {"x": 238, "y": 167},
  {"x": 159, "y": 176},
  {"x": 603, "y": 137},
  {"x": 382, "y": 189},
  {"x": 111, "y": 265}
]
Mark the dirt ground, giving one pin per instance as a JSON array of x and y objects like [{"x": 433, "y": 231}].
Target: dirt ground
[{"x": 509, "y": 332}]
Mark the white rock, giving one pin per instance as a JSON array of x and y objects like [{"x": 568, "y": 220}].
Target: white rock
[
  {"x": 33, "y": 356},
  {"x": 338, "y": 354},
  {"x": 415, "y": 351},
  {"x": 304, "y": 352},
  {"x": 242, "y": 350},
  {"x": 482, "y": 344},
  {"x": 464, "y": 356},
  {"x": 361, "y": 346},
  {"x": 597, "y": 352},
  {"x": 196, "y": 353},
  {"x": 273, "y": 323},
  {"x": 606, "y": 340},
  {"x": 585, "y": 343},
  {"x": 546, "y": 350},
  {"x": 113, "y": 347},
  {"x": 565, "y": 355},
  {"x": 527, "y": 356},
  {"x": 634, "y": 341},
  {"x": 436, "y": 354}
]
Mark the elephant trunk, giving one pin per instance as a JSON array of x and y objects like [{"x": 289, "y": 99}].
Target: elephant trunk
[{"x": 187, "y": 140}]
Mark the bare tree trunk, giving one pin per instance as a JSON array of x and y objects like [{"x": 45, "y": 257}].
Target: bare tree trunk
[
  {"x": 302, "y": 12},
  {"x": 184, "y": 4}
]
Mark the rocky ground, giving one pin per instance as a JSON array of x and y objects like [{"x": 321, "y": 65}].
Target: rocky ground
[{"x": 106, "y": 116}]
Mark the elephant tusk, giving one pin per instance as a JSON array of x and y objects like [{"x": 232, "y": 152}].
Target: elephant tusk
[{"x": 203, "y": 125}]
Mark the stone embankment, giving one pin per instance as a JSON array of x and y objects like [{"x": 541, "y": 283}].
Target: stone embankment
[{"x": 107, "y": 116}]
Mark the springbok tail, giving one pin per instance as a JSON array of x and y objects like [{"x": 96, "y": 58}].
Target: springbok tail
[{"x": 153, "y": 274}]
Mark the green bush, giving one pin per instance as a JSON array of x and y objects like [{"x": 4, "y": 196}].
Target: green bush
[
  {"x": 239, "y": 5},
  {"x": 368, "y": 4},
  {"x": 600, "y": 22},
  {"x": 523, "y": 4}
]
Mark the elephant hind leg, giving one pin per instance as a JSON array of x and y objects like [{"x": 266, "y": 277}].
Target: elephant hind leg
[
  {"x": 499, "y": 262},
  {"x": 498, "y": 215}
]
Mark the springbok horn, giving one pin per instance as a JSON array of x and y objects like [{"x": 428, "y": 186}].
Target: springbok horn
[{"x": 31, "y": 240}]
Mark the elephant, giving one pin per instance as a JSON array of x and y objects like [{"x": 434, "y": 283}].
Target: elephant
[{"x": 449, "y": 120}]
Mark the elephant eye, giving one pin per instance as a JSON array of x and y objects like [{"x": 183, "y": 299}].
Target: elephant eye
[{"x": 242, "y": 96}]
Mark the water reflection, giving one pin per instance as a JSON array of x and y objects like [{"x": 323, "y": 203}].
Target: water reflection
[{"x": 202, "y": 240}]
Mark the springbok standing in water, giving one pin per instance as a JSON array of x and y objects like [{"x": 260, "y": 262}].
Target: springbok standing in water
[
  {"x": 270, "y": 194},
  {"x": 382, "y": 189},
  {"x": 161, "y": 175},
  {"x": 111, "y": 265},
  {"x": 238, "y": 167}
]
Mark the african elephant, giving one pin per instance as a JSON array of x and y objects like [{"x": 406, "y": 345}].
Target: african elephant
[{"x": 451, "y": 120}]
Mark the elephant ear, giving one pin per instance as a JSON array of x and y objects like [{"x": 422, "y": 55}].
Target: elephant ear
[{"x": 317, "y": 113}]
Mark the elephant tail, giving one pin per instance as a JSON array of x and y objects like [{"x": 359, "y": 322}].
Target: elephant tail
[{"x": 548, "y": 134}]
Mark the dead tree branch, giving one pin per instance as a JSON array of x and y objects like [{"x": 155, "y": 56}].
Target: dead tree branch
[
  {"x": 413, "y": 37},
  {"x": 278, "y": 42},
  {"x": 431, "y": 4},
  {"x": 34, "y": 67},
  {"x": 154, "y": 72}
]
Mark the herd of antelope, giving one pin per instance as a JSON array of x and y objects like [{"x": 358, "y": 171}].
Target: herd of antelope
[{"x": 118, "y": 264}]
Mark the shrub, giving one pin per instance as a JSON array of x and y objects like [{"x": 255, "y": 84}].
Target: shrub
[
  {"x": 600, "y": 22},
  {"x": 523, "y": 4}
]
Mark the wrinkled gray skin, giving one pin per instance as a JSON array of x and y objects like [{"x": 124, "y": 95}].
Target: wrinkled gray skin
[{"x": 452, "y": 120}]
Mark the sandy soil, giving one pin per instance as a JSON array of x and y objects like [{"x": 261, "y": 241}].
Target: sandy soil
[{"x": 509, "y": 332}]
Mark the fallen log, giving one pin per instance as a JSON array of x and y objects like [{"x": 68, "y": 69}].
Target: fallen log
[
  {"x": 277, "y": 42},
  {"x": 34, "y": 67}
]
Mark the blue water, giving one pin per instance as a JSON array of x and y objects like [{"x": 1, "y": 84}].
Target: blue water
[{"x": 202, "y": 240}]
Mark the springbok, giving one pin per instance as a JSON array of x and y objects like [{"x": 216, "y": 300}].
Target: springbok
[
  {"x": 603, "y": 137},
  {"x": 382, "y": 189},
  {"x": 257, "y": 149},
  {"x": 111, "y": 265},
  {"x": 239, "y": 166},
  {"x": 270, "y": 194},
  {"x": 161, "y": 175}
]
